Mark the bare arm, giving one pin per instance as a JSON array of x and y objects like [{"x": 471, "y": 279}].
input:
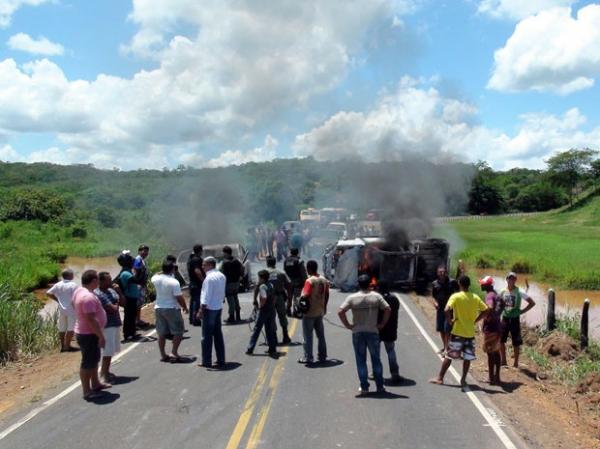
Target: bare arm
[
  {"x": 93, "y": 322},
  {"x": 530, "y": 305},
  {"x": 344, "y": 319},
  {"x": 386, "y": 316}
]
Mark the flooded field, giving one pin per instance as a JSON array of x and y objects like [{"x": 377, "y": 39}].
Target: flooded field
[{"x": 567, "y": 301}]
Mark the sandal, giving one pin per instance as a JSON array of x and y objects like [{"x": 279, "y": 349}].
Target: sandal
[
  {"x": 92, "y": 395},
  {"x": 166, "y": 359},
  {"x": 176, "y": 359},
  {"x": 101, "y": 387}
]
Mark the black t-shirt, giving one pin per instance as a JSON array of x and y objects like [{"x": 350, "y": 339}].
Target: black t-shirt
[
  {"x": 390, "y": 330},
  {"x": 293, "y": 267},
  {"x": 441, "y": 291},
  {"x": 194, "y": 262},
  {"x": 232, "y": 269}
]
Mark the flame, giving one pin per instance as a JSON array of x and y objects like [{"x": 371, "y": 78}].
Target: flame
[{"x": 373, "y": 283}]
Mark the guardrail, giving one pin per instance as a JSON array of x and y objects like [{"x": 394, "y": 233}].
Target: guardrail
[{"x": 484, "y": 217}]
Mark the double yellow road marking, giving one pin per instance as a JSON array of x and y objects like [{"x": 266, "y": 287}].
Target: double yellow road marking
[{"x": 255, "y": 395}]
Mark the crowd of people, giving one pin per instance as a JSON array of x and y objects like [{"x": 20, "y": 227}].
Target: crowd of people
[
  {"x": 263, "y": 242},
  {"x": 91, "y": 313}
]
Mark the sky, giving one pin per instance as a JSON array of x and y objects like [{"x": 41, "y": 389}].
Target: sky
[{"x": 205, "y": 83}]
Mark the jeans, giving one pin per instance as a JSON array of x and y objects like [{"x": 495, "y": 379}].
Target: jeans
[
  {"x": 308, "y": 324},
  {"x": 129, "y": 317},
  {"x": 361, "y": 341},
  {"x": 281, "y": 308},
  {"x": 266, "y": 318},
  {"x": 211, "y": 330},
  {"x": 233, "y": 302},
  {"x": 391, "y": 354},
  {"x": 194, "y": 304}
]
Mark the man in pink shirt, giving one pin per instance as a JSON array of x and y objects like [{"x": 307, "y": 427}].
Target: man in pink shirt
[{"x": 90, "y": 319}]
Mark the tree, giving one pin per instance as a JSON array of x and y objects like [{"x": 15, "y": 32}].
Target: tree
[
  {"x": 540, "y": 197},
  {"x": 567, "y": 169}
]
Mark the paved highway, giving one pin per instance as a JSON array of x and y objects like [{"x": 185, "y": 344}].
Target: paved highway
[{"x": 258, "y": 402}]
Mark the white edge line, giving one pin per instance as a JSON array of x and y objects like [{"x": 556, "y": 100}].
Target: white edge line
[
  {"x": 474, "y": 399},
  {"x": 36, "y": 411}
]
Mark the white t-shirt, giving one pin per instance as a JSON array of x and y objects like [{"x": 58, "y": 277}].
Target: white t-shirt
[
  {"x": 63, "y": 291},
  {"x": 167, "y": 289}
]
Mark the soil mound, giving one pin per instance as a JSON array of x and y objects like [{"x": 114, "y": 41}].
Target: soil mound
[
  {"x": 591, "y": 383},
  {"x": 559, "y": 345}
]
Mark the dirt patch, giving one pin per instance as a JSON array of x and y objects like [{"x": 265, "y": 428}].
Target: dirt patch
[
  {"x": 591, "y": 383},
  {"x": 547, "y": 414},
  {"x": 559, "y": 345}
]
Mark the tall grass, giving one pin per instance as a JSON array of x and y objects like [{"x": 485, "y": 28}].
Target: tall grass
[{"x": 23, "y": 332}]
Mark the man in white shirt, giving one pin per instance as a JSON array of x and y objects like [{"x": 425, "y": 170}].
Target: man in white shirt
[
  {"x": 167, "y": 310},
  {"x": 211, "y": 304},
  {"x": 62, "y": 292}
]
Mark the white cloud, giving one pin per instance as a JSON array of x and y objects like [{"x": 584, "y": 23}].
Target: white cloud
[
  {"x": 417, "y": 120},
  {"x": 40, "y": 46},
  {"x": 552, "y": 51},
  {"x": 267, "y": 152},
  {"x": 9, "y": 154},
  {"x": 9, "y": 7},
  {"x": 518, "y": 9}
]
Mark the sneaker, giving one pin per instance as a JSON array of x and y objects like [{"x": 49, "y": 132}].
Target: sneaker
[
  {"x": 249, "y": 351},
  {"x": 397, "y": 379},
  {"x": 381, "y": 390},
  {"x": 274, "y": 354},
  {"x": 305, "y": 361},
  {"x": 362, "y": 392}
]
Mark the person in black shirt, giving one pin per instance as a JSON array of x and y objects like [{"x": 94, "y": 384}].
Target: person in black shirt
[
  {"x": 233, "y": 270},
  {"x": 296, "y": 271},
  {"x": 389, "y": 333},
  {"x": 196, "y": 275},
  {"x": 441, "y": 290}
]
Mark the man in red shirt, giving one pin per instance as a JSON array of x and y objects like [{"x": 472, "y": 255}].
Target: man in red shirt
[{"x": 316, "y": 290}]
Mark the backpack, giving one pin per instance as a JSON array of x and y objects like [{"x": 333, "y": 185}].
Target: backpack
[
  {"x": 292, "y": 267},
  {"x": 276, "y": 284}
]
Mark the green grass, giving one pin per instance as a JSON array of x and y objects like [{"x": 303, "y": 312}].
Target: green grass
[{"x": 559, "y": 247}]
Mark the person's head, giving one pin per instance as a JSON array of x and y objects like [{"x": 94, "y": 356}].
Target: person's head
[
  {"x": 104, "y": 280},
  {"x": 271, "y": 261},
  {"x": 198, "y": 249},
  {"x": 294, "y": 251},
  {"x": 144, "y": 250},
  {"x": 511, "y": 280},
  {"x": 168, "y": 267},
  {"x": 312, "y": 267},
  {"x": 487, "y": 283},
  {"x": 363, "y": 282},
  {"x": 67, "y": 274},
  {"x": 125, "y": 260},
  {"x": 210, "y": 263},
  {"x": 464, "y": 282},
  {"x": 263, "y": 276},
  {"x": 227, "y": 251},
  {"x": 442, "y": 272},
  {"x": 89, "y": 279},
  {"x": 383, "y": 287}
]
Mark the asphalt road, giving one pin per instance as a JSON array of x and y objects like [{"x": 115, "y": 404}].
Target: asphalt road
[{"x": 266, "y": 403}]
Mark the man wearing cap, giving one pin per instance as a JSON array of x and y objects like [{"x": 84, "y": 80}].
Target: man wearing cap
[
  {"x": 211, "y": 304},
  {"x": 492, "y": 328},
  {"x": 511, "y": 317}
]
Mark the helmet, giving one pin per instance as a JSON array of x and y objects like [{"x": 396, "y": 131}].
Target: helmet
[{"x": 486, "y": 280}]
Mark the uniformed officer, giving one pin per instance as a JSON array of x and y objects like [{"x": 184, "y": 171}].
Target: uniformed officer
[{"x": 282, "y": 288}]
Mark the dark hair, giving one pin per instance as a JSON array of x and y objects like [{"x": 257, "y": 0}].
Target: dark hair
[
  {"x": 312, "y": 266},
  {"x": 464, "y": 281},
  {"x": 88, "y": 277},
  {"x": 143, "y": 247},
  {"x": 103, "y": 275},
  {"x": 294, "y": 251},
  {"x": 67, "y": 274},
  {"x": 271, "y": 261},
  {"x": 171, "y": 258},
  {"x": 364, "y": 281},
  {"x": 168, "y": 267},
  {"x": 125, "y": 260},
  {"x": 383, "y": 287},
  {"x": 263, "y": 274},
  {"x": 198, "y": 248},
  {"x": 227, "y": 250}
]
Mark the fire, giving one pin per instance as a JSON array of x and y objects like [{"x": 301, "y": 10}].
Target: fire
[{"x": 373, "y": 283}]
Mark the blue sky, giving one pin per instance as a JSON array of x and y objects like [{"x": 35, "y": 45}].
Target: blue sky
[{"x": 154, "y": 83}]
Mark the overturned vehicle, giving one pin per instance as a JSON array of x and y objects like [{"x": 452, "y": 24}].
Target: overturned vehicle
[{"x": 410, "y": 267}]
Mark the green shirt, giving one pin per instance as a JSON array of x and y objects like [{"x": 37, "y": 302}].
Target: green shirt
[{"x": 512, "y": 299}]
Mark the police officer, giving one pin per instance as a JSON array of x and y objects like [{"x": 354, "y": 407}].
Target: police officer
[
  {"x": 196, "y": 275},
  {"x": 296, "y": 271},
  {"x": 233, "y": 270},
  {"x": 282, "y": 288}
]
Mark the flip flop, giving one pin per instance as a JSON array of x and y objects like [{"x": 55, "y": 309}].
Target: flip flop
[
  {"x": 166, "y": 359},
  {"x": 177, "y": 359},
  {"x": 102, "y": 387},
  {"x": 93, "y": 395}
]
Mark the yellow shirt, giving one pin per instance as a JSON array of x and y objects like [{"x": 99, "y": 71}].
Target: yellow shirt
[{"x": 465, "y": 307}]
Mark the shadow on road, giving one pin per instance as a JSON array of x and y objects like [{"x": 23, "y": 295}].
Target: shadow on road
[
  {"x": 104, "y": 398},
  {"x": 229, "y": 366},
  {"x": 405, "y": 382},
  {"x": 121, "y": 380},
  {"x": 386, "y": 395},
  {"x": 329, "y": 363},
  {"x": 289, "y": 345},
  {"x": 184, "y": 359}
]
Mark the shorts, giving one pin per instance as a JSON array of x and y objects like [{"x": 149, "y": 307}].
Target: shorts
[
  {"x": 461, "y": 348},
  {"x": 66, "y": 322},
  {"x": 90, "y": 351},
  {"x": 113, "y": 341},
  {"x": 168, "y": 322},
  {"x": 512, "y": 326},
  {"x": 491, "y": 342},
  {"x": 441, "y": 323}
]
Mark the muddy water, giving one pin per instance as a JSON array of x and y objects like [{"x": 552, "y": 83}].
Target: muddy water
[
  {"x": 79, "y": 265},
  {"x": 567, "y": 301}
]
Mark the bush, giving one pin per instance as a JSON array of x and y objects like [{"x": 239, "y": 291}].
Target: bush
[
  {"x": 79, "y": 232},
  {"x": 522, "y": 266},
  {"x": 32, "y": 204},
  {"x": 106, "y": 217}
]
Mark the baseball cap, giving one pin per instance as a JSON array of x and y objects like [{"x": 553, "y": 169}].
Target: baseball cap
[
  {"x": 512, "y": 274},
  {"x": 486, "y": 280}
]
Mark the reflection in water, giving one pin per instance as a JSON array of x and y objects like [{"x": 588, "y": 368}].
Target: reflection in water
[{"x": 567, "y": 301}]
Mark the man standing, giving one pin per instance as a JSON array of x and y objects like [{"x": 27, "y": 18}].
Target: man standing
[
  {"x": 167, "y": 309},
  {"x": 196, "y": 275},
  {"x": 511, "y": 317},
  {"x": 62, "y": 293},
  {"x": 492, "y": 328},
  {"x": 89, "y": 330},
  {"x": 282, "y": 288},
  {"x": 296, "y": 271},
  {"x": 131, "y": 291},
  {"x": 233, "y": 270},
  {"x": 441, "y": 290},
  {"x": 110, "y": 298},
  {"x": 316, "y": 291},
  {"x": 211, "y": 304},
  {"x": 140, "y": 272},
  {"x": 365, "y": 306},
  {"x": 463, "y": 310},
  {"x": 265, "y": 305},
  {"x": 388, "y": 334}
]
